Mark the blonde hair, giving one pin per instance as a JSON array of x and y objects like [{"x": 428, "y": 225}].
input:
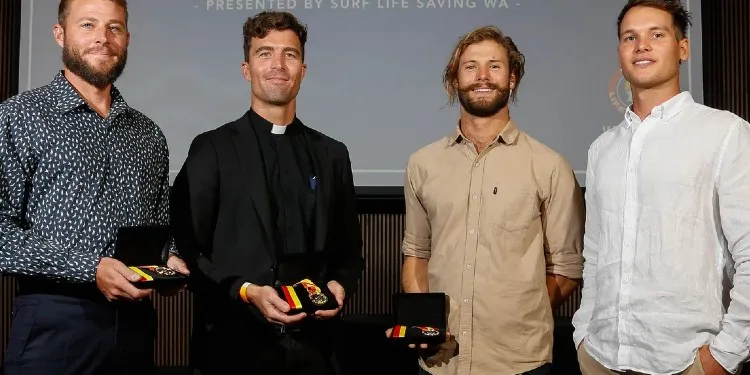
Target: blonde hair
[{"x": 516, "y": 59}]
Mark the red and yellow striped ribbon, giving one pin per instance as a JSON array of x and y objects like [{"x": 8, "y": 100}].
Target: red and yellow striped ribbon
[
  {"x": 144, "y": 276},
  {"x": 398, "y": 331},
  {"x": 291, "y": 297}
]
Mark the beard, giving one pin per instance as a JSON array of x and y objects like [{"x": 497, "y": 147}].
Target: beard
[
  {"x": 99, "y": 78},
  {"x": 484, "y": 107}
]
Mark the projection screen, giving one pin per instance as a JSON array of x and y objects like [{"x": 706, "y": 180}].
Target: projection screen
[{"x": 374, "y": 69}]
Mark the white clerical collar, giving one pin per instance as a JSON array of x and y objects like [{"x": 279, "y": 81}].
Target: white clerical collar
[{"x": 278, "y": 129}]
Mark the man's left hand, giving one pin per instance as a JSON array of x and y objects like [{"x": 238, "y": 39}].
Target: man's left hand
[
  {"x": 339, "y": 293},
  {"x": 174, "y": 262},
  {"x": 710, "y": 366}
]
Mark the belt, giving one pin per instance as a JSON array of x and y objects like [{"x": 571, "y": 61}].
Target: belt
[{"x": 87, "y": 291}]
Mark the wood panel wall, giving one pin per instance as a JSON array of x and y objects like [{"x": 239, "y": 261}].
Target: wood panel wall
[
  {"x": 10, "y": 28},
  {"x": 10, "y": 36},
  {"x": 726, "y": 55}
]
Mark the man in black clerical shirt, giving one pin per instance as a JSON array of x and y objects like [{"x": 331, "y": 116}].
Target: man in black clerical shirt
[
  {"x": 262, "y": 202},
  {"x": 290, "y": 175}
]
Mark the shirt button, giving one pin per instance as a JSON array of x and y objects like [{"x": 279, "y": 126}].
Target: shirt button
[
  {"x": 474, "y": 197},
  {"x": 471, "y": 231},
  {"x": 463, "y": 333},
  {"x": 468, "y": 266},
  {"x": 476, "y": 165},
  {"x": 466, "y": 300}
]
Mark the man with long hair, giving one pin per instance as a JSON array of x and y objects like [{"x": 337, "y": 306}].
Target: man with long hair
[{"x": 494, "y": 219}]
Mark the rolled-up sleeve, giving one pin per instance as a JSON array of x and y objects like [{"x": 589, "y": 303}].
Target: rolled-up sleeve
[
  {"x": 417, "y": 233},
  {"x": 563, "y": 219}
]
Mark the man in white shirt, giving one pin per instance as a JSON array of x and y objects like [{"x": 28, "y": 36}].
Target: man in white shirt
[{"x": 667, "y": 238}]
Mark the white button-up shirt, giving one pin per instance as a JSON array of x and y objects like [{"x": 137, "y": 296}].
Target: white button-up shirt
[{"x": 667, "y": 240}]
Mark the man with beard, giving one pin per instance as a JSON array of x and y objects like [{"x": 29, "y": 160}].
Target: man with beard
[
  {"x": 77, "y": 163},
  {"x": 266, "y": 201},
  {"x": 494, "y": 219}
]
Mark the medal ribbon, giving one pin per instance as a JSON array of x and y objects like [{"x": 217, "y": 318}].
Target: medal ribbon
[
  {"x": 398, "y": 331},
  {"x": 144, "y": 276},
  {"x": 291, "y": 297}
]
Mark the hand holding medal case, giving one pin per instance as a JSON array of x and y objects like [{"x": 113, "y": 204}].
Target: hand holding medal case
[
  {"x": 306, "y": 296},
  {"x": 142, "y": 249},
  {"x": 420, "y": 318}
]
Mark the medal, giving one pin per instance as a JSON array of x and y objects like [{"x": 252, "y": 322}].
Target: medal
[
  {"x": 428, "y": 331},
  {"x": 163, "y": 271},
  {"x": 316, "y": 295}
]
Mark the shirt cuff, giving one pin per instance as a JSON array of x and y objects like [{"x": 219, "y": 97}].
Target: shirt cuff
[
  {"x": 82, "y": 267},
  {"x": 568, "y": 265},
  {"x": 729, "y": 352},
  {"x": 172, "y": 248},
  {"x": 416, "y": 247}
]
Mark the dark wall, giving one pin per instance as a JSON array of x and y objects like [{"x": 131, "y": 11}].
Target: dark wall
[
  {"x": 726, "y": 55},
  {"x": 10, "y": 36}
]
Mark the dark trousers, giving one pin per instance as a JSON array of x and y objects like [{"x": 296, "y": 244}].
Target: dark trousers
[
  {"x": 222, "y": 347},
  {"x": 545, "y": 369},
  {"x": 53, "y": 334}
]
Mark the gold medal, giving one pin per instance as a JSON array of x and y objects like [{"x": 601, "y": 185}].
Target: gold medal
[
  {"x": 316, "y": 295},
  {"x": 163, "y": 271},
  {"x": 428, "y": 331}
]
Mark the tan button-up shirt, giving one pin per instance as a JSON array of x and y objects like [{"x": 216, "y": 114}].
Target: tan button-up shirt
[{"x": 493, "y": 225}]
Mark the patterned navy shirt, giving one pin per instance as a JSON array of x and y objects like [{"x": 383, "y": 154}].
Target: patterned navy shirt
[{"x": 69, "y": 178}]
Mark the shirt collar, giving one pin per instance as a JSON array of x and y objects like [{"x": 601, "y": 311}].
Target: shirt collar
[
  {"x": 508, "y": 135},
  {"x": 266, "y": 127},
  {"x": 664, "y": 111},
  {"x": 69, "y": 99}
]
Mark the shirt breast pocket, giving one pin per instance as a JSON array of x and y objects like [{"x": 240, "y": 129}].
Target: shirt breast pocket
[{"x": 512, "y": 215}]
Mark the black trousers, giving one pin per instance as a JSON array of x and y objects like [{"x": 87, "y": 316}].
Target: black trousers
[
  {"x": 290, "y": 353},
  {"x": 545, "y": 369},
  {"x": 58, "y": 334}
]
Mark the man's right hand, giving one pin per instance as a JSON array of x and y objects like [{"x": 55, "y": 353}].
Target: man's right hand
[
  {"x": 448, "y": 337},
  {"x": 271, "y": 305},
  {"x": 114, "y": 279}
]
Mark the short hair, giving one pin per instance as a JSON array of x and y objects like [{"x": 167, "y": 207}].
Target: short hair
[
  {"x": 516, "y": 60},
  {"x": 63, "y": 9},
  {"x": 681, "y": 18},
  {"x": 261, "y": 24}
]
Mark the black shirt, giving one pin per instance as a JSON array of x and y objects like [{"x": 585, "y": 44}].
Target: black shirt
[{"x": 291, "y": 182}]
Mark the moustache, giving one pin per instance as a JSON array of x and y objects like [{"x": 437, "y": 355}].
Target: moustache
[
  {"x": 472, "y": 87},
  {"x": 98, "y": 50}
]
